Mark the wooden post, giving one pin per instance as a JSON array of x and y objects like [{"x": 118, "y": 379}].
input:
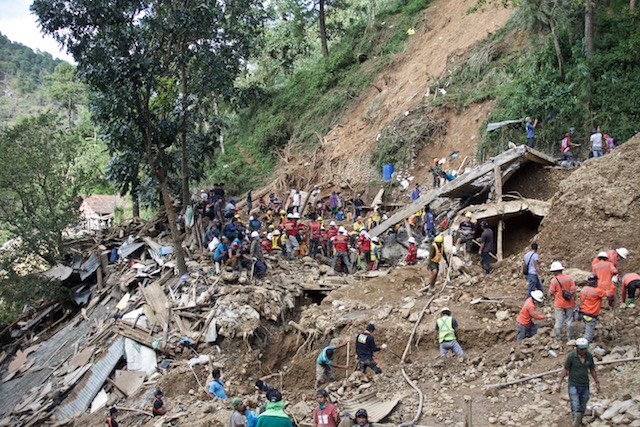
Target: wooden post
[
  {"x": 497, "y": 177},
  {"x": 500, "y": 229},
  {"x": 468, "y": 422}
]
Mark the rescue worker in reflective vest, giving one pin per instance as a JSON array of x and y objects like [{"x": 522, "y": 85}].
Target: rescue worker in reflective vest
[
  {"x": 607, "y": 275},
  {"x": 276, "y": 240},
  {"x": 590, "y": 303},
  {"x": 445, "y": 334},
  {"x": 332, "y": 232},
  {"x": 614, "y": 256},
  {"x": 525, "y": 323},
  {"x": 341, "y": 244},
  {"x": 412, "y": 252},
  {"x": 376, "y": 253},
  {"x": 563, "y": 290},
  {"x": 436, "y": 253},
  {"x": 365, "y": 347},
  {"x": 630, "y": 283},
  {"x": 111, "y": 420},
  {"x": 314, "y": 237}
]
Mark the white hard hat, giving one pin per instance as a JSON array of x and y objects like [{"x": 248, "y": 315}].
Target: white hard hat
[
  {"x": 623, "y": 252},
  {"x": 537, "y": 295},
  {"x": 251, "y": 218},
  {"x": 411, "y": 240},
  {"x": 289, "y": 215},
  {"x": 443, "y": 309},
  {"x": 296, "y": 215},
  {"x": 332, "y": 223},
  {"x": 255, "y": 234},
  {"x": 342, "y": 230},
  {"x": 582, "y": 343},
  {"x": 603, "y": 254},
  {"x": 556, "y": 266},
  {"x": 375, "y": 239},
  {"x": 276, "y": 232}
]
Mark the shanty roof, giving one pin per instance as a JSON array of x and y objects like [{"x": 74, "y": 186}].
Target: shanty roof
[{"x": 103, "y": 204}]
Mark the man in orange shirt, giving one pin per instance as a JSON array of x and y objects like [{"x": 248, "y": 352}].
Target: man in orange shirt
[
  {"x": 563, "y": 289},
  {"x": 604, "y": 269},
  {"x": 525, "y": 325},
  {"x": 590, "y": 303},
  {"x": 630, "y": 282}
]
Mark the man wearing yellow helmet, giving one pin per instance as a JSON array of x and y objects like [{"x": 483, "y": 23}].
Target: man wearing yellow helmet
[{"x": 436, "y": 253}]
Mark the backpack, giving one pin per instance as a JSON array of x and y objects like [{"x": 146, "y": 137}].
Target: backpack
[{"x": 525, "y": 266}]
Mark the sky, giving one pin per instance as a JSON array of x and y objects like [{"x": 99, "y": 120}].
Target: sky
[{"x": 17, "y": 23}]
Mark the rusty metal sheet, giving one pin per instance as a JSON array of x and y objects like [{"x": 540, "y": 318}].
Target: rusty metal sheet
[{"x": 376, "y": 409}]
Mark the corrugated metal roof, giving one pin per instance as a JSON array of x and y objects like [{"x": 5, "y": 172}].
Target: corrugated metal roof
[
  {"x": 83, "y": 393},
  {"x": 89, "y": 266},
  {"x": 376, "y": 408}
]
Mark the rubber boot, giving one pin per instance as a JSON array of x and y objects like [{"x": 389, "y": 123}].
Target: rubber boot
[{"x": 577, "y": 420}]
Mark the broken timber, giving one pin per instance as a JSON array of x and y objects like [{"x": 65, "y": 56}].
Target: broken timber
[{"x": 467, "y": 179}]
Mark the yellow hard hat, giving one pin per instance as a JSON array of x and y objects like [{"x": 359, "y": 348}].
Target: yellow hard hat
[
  {"x": 439, "y": 239},
  {"x": 319, "y": 218},
  {"x": 469, "y": 215},
  {"x": 283, "y": 212}
]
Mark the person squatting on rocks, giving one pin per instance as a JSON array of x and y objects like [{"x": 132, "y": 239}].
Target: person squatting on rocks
[
  {"x": 526, "y": 326},
  {"x": 365, "y": 347},
  {"x": 445, "y": 333},
  {"x": 578, "y": 364},
  {"x": 325, "y": 365},
  {"x": 563, "y": 290}
]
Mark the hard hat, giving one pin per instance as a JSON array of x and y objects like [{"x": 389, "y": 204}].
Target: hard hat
[
  {"x": 271, "y": 227},
  {"x": 436, "y": 160},
  {"x": 439, "y": 239},
  {"x": 469, "y": 215},
  {"x": 375, "y": 239},
  {"x": 276, "y": 232},
  {"x": 445, "y": 310},
  {"x": 359, "y": 218},
  {"x": 296, "y": 215},
  {"x": 319, "y": 218},
  {"x": 282, "y": 212},
  {"x": 362, "y": 413},
  {"x": 251, "y": 218},
  {"x": 623, "y": 252},
  {"x": 556, "y": 266},
  {"x": 582, "y": 343},
  {"x": 290, "y": 215},
  {"x": 411, "y": 240},
  {"x": 603, "y": 254},
  {"x": 592, "y": 280},
  {"x": 255, "y": 234},
  {"x": 537, "y": 295},
  {"x": 342, "y": 230},
  {"x": 332, "y": 223}
]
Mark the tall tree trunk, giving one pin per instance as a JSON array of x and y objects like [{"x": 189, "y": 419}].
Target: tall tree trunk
[
  {"x": 323, "y": 31},
  {"x": 556, "y": 44},
  {"x": 186, "y": 193},
  {"x": 216, "y": 111},
  {"x": 633, "y": 5},
  {"x": 372, "y": 13},
  {"x": 589, "y": 24}
]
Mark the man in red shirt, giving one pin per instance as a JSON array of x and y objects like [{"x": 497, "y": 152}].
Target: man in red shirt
[
  {"x": 412, "y": 252},
  {"x": 630, "y": 282},
  {"x": 364, "y": 248},
  {"x": 314, "y": 236},
  {"x": 526, "y": 326},
  {"x": 341, "y": 244},
  {"x": 563, "y": 289},
  {"x": 325, "y": 414},
  {"x": 290, "y": 227},
  {"x": 590, "y": 303}
]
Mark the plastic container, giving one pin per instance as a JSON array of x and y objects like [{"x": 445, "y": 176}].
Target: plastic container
[
  {"x": 340, "y": 216},
  {"x": 553, "y": 353},
  {"x": 387, "y": 171}
]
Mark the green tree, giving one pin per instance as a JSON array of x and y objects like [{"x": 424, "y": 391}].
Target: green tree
[
  {"x": 39, "y": 183},
  {"x": 65, "y": 89}
]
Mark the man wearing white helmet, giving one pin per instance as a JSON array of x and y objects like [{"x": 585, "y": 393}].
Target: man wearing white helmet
[
  {"x": 525, "y": 322},
  {"x": 607, "y": 275},
  {"x": 614, "y": 255},
  {"x": 578, "y": 364},
  {"x": 376, "y": 253},
  {"x": 445, "y": 334},
  {"x": 563, "y": 290},
  {"x": 412, "y": 252},
  {"x": 341, "y": 244}
]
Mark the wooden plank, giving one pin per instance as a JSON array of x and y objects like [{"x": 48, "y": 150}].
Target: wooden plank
[
  {"x": 378, "y": 198},
  {"x": 497, "y": 176},
  {"x": 156, "y": 298},
  {"x": 500, "y": 235}
]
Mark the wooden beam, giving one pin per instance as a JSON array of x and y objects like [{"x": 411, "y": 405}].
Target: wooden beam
[
  {"x": 497, "y": 176},
  {"x": 500, "y": 235}
]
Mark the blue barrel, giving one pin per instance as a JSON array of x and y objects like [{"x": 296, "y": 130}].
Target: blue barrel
[
  {"x": 387, "y": 171},
  {"x": 340, "y": 216}
]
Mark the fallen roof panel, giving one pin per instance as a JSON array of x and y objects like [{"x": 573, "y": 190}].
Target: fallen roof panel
[{"x": 376, "y": 409}]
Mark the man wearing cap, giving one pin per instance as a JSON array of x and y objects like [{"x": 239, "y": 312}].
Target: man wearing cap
[
  {"x": 158, "y": 408},
  {"x": 362, "y": 419},
  {"x": 596, "y": 143},
  {"x": 365, "y": 347},
  {"x": 590, "y": 304},
  {"x": 525, "y": 322},
  {"x": 563, "y": 290},
  {"x": 325, "y": 365},
  {"x": 237, "y": 416},
  {"x": 111, "y": 419},
  {"x": 274, "y": 415},
  {"x": 578, "y": 364},
  {"x": 221, "y": 254},
  {"x": 565, "y": 148},
  {"x": 445, "y": 334},
  {"x": 358, "y": 206},
  {"x": 532, "y": 263},
  {"x": 325, "y": 414}
]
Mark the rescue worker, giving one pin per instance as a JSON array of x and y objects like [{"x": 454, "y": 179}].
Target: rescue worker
[
  {"x": 158, "y": 408},
  {"x": 578, "y": 364},
  {"x": 276, "y": 240},
  {"x": 290, "y": 227},
  {"x": 445, "y": 333},
  {"x": 358, "y": 224},
  {"x": 332, "y": 232},
  {"x": 362, "y": 419},
  {"x": 365, "y": 347},
  {"x": 437, "y": 172},
  {"x": 607, "y": 275},
  {"x": 325, "y": 365},
  {"x": 341, "y": 244},
  {"x": 630, "y": 282},
  {"x": 614, "y": 256},
  {"x": 412, "y": 252},
  {"x": 376, "y": 253},
  {"x": 314, "y": 237},
  {"x": 436, "y": 253},
  {"x": 525, "y": 323},
  {"x": 563, "y": 288},
  {"x": 486, "y": 246},
  {"x": 111, "y": 419},
  {"x": 590, "y": 303},
  {"x": 465, "y": 237},
  {"x": 364, "y": 249}
]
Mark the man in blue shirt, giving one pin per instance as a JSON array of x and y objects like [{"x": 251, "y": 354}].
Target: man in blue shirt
[
  {"x": 530, "y": 131},
  {"x": 216, "y": 388},
  {"x": 222, "y": 251},
  {"x": 324, "y": 364}
]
